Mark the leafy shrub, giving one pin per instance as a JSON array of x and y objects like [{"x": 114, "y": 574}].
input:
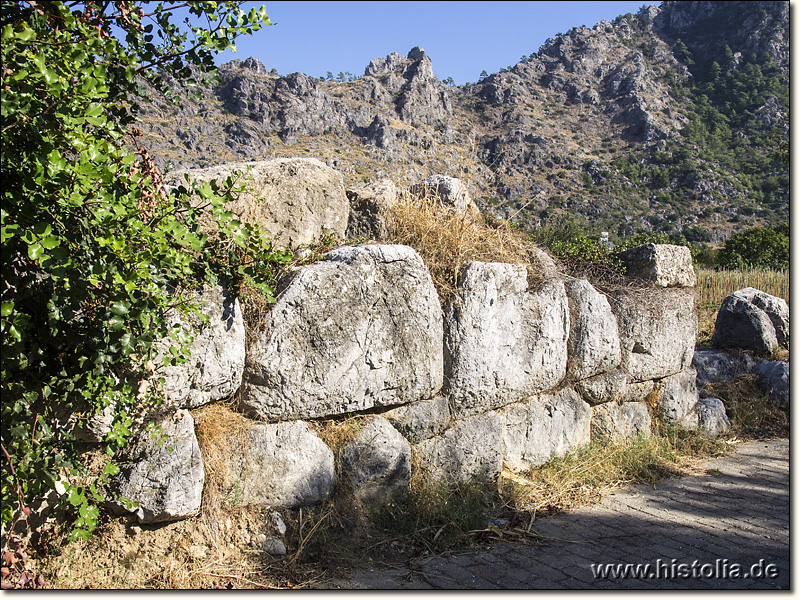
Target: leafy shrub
[
  {"x": 766, "y": 247},
  {"x": 95, "y": 249}
]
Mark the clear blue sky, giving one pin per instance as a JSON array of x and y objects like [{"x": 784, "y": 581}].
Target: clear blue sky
[{"x": 461, "y": 38}]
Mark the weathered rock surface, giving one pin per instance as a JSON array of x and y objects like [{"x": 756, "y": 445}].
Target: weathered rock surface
[
  {"x": 295, "y": 200},
  {"x": 361, "y": 329},
  {"x": 502, "y": 342},
  {"x": 447, "y": 191},
  {"x": 370, "y": 207},
  {"x": 712, "y": 418},
  {"x": 420, "y": 420},
  {"x": 774, "y": 378},
  {"x": 545, "y": 426},
  {"x": 665, "y": 265},
  {"x": 376, "y": 465},
  {"x": 282, "y": 465},
  {"x": 742, "y": 324},
  {"x": 470, "y": 450},
  {"x": 614, "y": 421},
  {"x": 216, "y": 360},
  {"x": 594, "y": 346},
  {"x": 716, "y": 366},
  {"x": 604, "y": 388},
  {"x": 776, "y": 308},
  {"x": 658, "y": 331},
  {"x": 164, "y": 476},
  {"x": 679, "y": 397}
]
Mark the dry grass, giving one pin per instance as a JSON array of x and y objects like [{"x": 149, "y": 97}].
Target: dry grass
[
  {"x": 752, "y": 413},
  {"x": 448, "y": 240}
]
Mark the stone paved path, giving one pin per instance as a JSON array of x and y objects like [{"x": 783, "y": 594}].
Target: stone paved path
[{"x": 700, "y": 526}]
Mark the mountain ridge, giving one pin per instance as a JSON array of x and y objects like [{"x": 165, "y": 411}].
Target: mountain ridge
[{"x": 631, "y": 125}]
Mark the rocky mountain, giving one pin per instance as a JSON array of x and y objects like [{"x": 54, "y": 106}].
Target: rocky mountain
[{"x": 670, "y": 120}]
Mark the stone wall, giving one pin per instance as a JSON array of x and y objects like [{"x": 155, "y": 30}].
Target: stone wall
[{"x": 505, "y": 376}]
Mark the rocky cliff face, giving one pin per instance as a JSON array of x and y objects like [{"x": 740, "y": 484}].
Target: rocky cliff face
[{"x": 593, "y": 125}]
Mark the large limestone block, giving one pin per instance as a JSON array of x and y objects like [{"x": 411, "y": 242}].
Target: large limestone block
[
  {"x": 447, "y": 191},
  {"x": 594, "y": 346},
  {"x": 742, "y": 324},
  {"x": 370, "y": 208},
  {"x": 420, "y": 420},
  {"x": 679, "y": 398},
  {"x": 376, "y": 465},
  {"x": 216, "y": 360},
  {"x": 543, "y": 427},
  {"x": 776, "y": 308},
  {"x": 657, "y": 329},
  {"x": 502, "y": 342},
  {"x": 295, "y": 200},
  {"x": 163, "y": 473},
  {"x": 470, "y": 450},
  {"x": 361, "y": 329},
  {"x": 665, "y": 265},
  {"x": 614, "y": 421},
  {"x": 283, "y": 465},
  {"x": 610, "y": 387}
]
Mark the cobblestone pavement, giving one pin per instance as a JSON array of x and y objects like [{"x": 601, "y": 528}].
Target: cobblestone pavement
[{"x": 736, "y": 513}]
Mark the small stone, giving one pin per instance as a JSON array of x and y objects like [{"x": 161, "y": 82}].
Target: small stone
[
  {"x": 196, "y": 552},
  {"x": 278, "y": 522},
  {"x": 274, "y": 546},
  {"x": 261, "y": 538}
]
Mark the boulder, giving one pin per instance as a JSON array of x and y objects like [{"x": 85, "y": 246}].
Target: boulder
[
  {"x": 361, "y": 329},
  {"x": 295, "y": 200},
  {"x": 638, "y": 391},
  {"x": 216, "y": 360},
  {"x": 679, "y": 397},
  {"x": 774, "y": 379},
  {"x": 163, "y": 473},
  {"x": 594, "y": 346},
  {"x": 776, "y": 309},
  {"x": 716, "y": 366},
  {"x": 610, "y": 387},
  {"x": 447, "y": 191},
  {"x": 376, "y": 465},
  {"x": 665, "y": 265},
  {"x": 282, "y": 465},
  {"x": 657, "y": 329},
  {"x": 470, "y": 450},
  {"x": 370, "y": 208},
  {"x": 420, "y": 420},
  {"x": 503, "y": 343},
  {"x": 712, "y": 418},
  {"x": 742, "y": 324},
  {"x": 545, "y": 426}
]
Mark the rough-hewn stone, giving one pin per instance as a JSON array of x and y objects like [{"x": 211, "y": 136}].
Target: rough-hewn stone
[
  {"x": 282, "y": 465},
  {"x": 361, "y": 329},
  {"x": 447, "y": 191},
  {"x": 502, "y": 342},
  {"x": 216, "y": 360},
  {"x": 163, "y": 475},
  {"x": 716, "y": 366},
  {"x": 376, "y": 465},
  {"x": 544, "y": 426},
  {"x": 665, "y": 265},
  {"x": 370, "y": 207},
  {"x": 420, "y": 420},
  {"x": 679, "y": 397},
  {"x": 775, "y": 308},
  {"x": 658, "y": 331},
  {"x": 604, "y": 388},
  {"x": 712, "y": 419},
  {"x": 613, "y": 421},
  {"x": 594, "y": 346},
  {"x": 470, "y": 450}
]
